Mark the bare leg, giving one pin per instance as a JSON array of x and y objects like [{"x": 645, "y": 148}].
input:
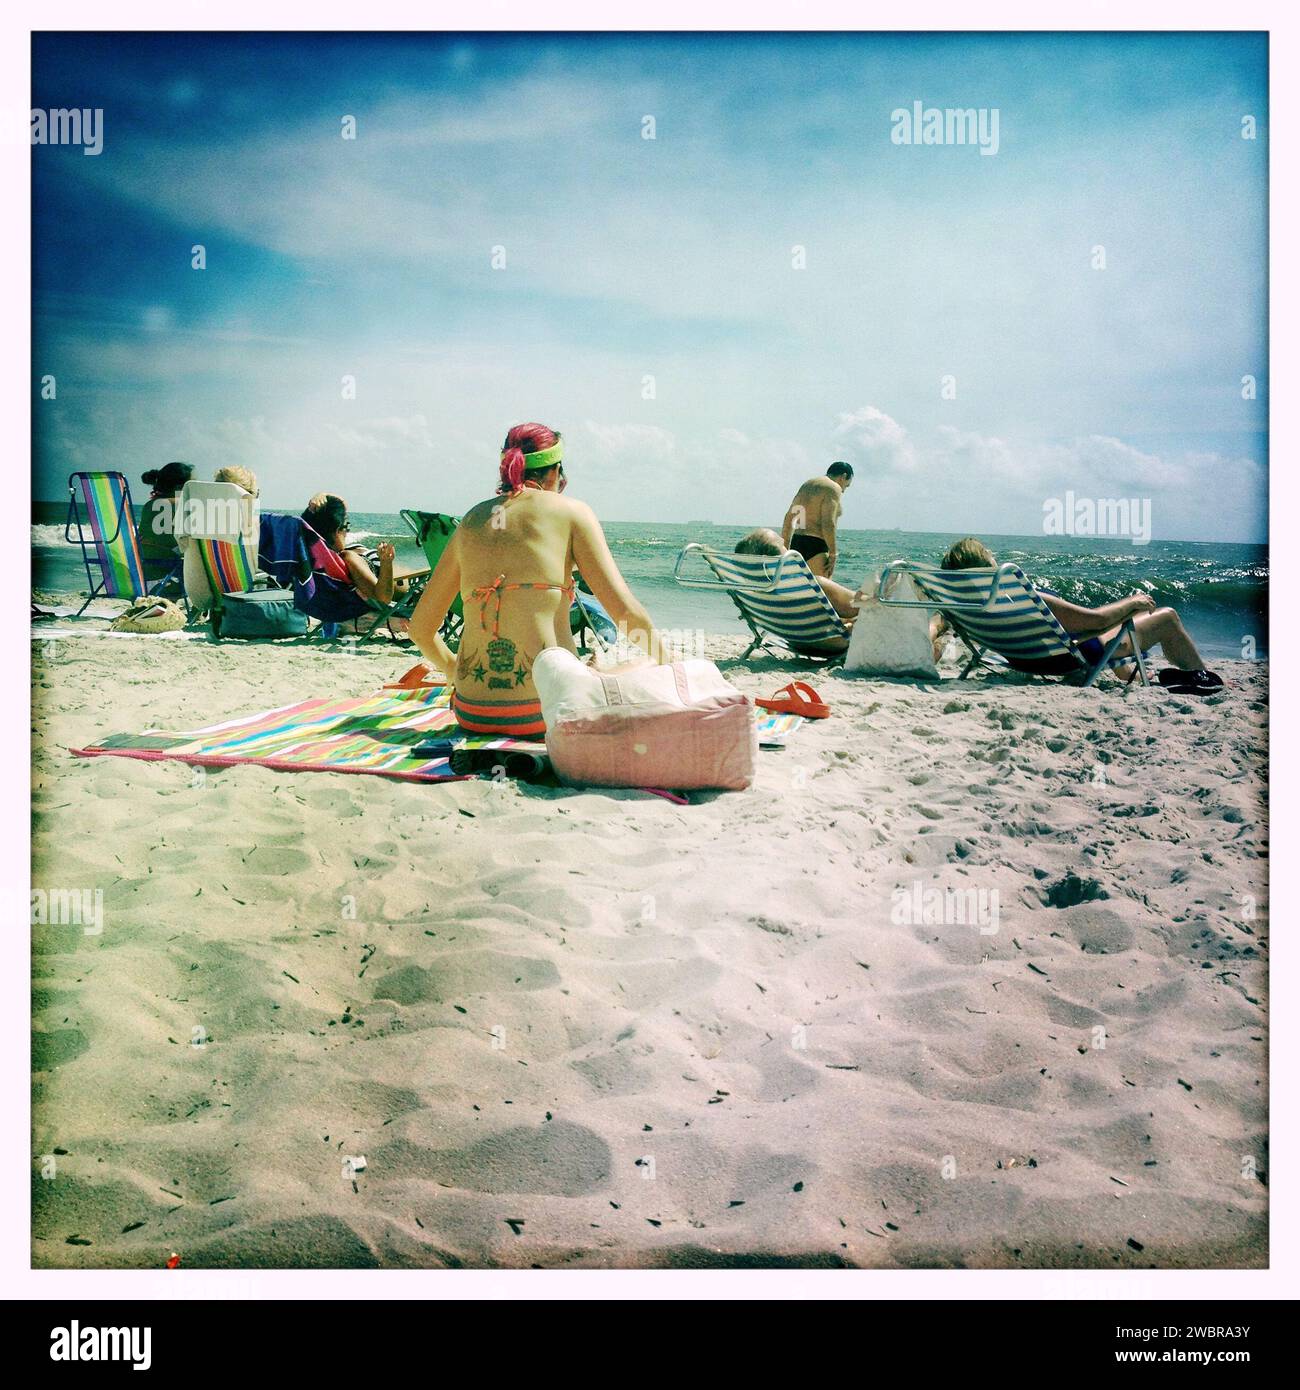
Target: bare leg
[
  {"x": 368, "y": 622},
  {"x": 939, "y": 631},
  {"x": 841, "y": 597},
  {"x": 1163, "y": 629},
  {"x": 819, "y": 564}
]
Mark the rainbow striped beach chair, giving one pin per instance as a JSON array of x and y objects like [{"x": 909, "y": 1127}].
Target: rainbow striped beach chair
[
  {"x": 219, "y": 522},
  {"x": 106, "y": 535}
]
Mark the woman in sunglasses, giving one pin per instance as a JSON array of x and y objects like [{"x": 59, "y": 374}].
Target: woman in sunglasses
[
  {"x": 512, "y": 560},
  {"x": 348, "y": 591}
]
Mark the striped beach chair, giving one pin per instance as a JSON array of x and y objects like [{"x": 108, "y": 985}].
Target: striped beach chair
[
  {"x": 99, "y": 506},
  {"x": 220, "y": 523},
  {"x": 997, "y": 609},
  {"x": 777, "y": 595}
]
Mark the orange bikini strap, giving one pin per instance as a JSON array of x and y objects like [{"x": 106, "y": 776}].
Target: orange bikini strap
[{"x": 483, "y": 594}]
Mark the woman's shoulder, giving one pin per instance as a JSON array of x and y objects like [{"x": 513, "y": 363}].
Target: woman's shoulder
[{"x": 482, "y": 513}]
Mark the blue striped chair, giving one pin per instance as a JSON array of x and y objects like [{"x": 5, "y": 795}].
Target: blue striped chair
[
  {"x": 998, "y": 610},
  {"x": 778, "y": 596}
]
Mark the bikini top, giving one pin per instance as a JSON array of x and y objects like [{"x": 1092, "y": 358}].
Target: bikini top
[{"x": 484, "y": 594}]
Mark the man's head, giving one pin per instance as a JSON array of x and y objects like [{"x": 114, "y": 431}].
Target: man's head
[
  {"x": 841, "y": 473},
  {"x": 760, "y": 542},
  {"x": 968, "y": 554}
]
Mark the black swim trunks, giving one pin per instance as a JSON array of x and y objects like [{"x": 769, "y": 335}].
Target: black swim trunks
[{"x": 808, "y": 546}]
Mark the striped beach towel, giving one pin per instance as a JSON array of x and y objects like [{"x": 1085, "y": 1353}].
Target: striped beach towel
[
  {"x": 381, "y": 734},
  {"x": 411, "y": 735},
  {"x": 226, "y": 565}
]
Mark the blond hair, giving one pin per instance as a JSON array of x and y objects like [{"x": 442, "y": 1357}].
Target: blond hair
[
  {"x": 241, "y": 477},
  {"x": 967, "y": 554}
]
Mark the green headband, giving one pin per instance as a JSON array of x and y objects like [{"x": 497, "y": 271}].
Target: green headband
[{"x": 542, "y": 458}]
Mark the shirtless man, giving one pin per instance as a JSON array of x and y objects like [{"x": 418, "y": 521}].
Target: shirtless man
[
  {"x": 512, "y": 560},
  {"x": 810, "y": 520}
]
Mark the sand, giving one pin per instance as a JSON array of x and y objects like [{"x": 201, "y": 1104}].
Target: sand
[{"x": 568, "y": 1028}]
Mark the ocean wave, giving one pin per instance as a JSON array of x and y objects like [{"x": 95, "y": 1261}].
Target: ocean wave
[{"x": 1228, "y": 593}]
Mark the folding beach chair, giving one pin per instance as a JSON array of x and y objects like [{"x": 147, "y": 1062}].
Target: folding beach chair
[
  {"x": 219, "y": 521},
  {"x": 997, "y": 609},
  {"x": 329, "y": 597},
  {"x": 432, "y": 531},
  {"x": 110, "y": 544},
  {"x": 777, "y": 595}
]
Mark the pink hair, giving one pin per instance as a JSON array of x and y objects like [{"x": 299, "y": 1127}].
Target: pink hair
[{"x": 520, "y": 442}]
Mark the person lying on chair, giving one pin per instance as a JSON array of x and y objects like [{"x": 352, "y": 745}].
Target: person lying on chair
[
  {"x": 1155, "y": 627},
  {"x": 765, "y": 541},
  {"x": 842, "y": 599},
  {"x": 352, "y": 586}
]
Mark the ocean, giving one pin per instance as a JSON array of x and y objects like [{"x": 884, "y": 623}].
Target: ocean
[{"x": 1221, "y": 590}]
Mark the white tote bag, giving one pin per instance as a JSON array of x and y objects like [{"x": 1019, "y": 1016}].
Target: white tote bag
[{"x": 891, "y": 641}]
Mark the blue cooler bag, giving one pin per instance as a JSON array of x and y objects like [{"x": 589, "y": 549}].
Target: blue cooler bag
[{"x": 261, "y": 613}]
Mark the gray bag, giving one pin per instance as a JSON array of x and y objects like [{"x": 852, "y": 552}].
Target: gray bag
[{"x": 261, "y": 613}]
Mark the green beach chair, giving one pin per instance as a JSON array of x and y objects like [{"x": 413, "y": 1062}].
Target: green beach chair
[
  {"x": 432, "y": 531},
  {"x": 106, "y": 535}
]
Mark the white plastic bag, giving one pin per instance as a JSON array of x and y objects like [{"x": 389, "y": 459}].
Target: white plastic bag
[{"x": 891, "y": 641}]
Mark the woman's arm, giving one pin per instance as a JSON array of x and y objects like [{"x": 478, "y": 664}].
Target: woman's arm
[
  {"x": 363, "y": 577},
  {"x": 431, "y": 611},
  {"x": 592, "y": 555},
  {"x": 1087, "y": 620},
  {"x": 843, "y": 599}
]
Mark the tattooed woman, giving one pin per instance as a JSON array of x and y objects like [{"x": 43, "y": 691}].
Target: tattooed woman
[{"x": 512, "y": 560}]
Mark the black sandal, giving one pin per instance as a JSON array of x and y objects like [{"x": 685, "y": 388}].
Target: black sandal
[{"x": 1189, "y": 682}]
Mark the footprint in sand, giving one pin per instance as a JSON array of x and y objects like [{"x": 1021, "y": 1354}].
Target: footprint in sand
[
  {"x": 455, "y": 976},
  {"x": 55, "y": 1048},
  {"x": 1096, "y": 930},
  {"x": 555, "y": 1159}
]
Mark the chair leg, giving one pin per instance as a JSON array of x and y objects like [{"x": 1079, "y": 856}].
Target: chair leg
[
  {"x": 1137, "y": 653},
  {"x": 1103, "y": 661},
  {"x": 90, "y": 598},
  {"x": 975, "y": 654}
]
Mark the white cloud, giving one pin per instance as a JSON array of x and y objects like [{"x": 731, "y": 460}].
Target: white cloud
[{"x": 875, "y": 441}]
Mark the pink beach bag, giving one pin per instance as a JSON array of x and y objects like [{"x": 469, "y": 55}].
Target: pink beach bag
[{"x": 682, "y": 726}]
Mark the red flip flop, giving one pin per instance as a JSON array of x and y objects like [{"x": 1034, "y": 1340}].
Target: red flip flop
[
  {"x": 797, "y": 698},
  {"x": 418, "y": 678}
]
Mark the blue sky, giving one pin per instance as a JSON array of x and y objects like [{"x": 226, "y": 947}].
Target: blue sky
[{"x": 671, "y": 259}]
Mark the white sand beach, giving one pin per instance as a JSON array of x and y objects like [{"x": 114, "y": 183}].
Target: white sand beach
[{"x": 570, "y": 1028}]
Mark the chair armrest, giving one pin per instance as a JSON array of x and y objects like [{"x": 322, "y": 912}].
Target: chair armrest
[
  {"x": 716, "y": 583},
  {"x": 905, "y": 565}
]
